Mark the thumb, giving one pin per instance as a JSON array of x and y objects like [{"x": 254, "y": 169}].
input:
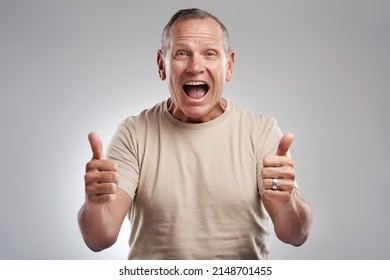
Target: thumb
[
  {"x": 96, "y": 145},
  {"x": 284, "y": 144}
]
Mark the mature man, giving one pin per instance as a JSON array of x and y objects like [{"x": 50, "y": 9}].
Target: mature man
[{"x": 198, "y": 175}]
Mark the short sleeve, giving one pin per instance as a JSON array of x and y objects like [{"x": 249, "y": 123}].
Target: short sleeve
[
  {"x": 267, "y": 144},
  {"x": 122, "y": 150}
]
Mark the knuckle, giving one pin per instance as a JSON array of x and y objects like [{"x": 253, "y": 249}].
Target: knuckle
[
  {"x": 109, "y": 165},
  {"x": 90, "y": 191},
  {"x": 87, "y": 178},
  {"x": 113, "y": 177},
  {"x": 263, "y": 172},
  {"x": 268, "y": 160},
  {"x": 89, "y": 166},
  {"x": 289, "y": 186},
  {"x": 112, "y": 188},
  {"x": 291, "y": 162},
  {"x": 288, "y": 172},
  {"x": 292, "y": 174},
  {"x": 116, "y": 178}
]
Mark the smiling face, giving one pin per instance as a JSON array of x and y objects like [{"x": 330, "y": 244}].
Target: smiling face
[{"x": 196, "y": 67}]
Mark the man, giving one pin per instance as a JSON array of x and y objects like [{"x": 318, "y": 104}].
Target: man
[{"x": 198, "y": 175}]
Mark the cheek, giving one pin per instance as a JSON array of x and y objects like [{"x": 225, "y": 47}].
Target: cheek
[
  {"x": 174, "y": 72},
  {"x": 219, "y": 70},
  {"x": 175, "y": 88},
  {"x": 219, "y": 77}
]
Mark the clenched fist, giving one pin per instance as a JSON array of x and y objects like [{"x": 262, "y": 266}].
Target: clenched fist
[
  {"x": 278, "y": 171},
  {"x": 101, "y": 178}
]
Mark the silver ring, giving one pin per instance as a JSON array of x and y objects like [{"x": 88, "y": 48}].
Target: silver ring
[{"x": 275, "y": 184}]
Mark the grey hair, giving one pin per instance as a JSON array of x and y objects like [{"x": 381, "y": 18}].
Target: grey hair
[{"x": 187, "y": 14}]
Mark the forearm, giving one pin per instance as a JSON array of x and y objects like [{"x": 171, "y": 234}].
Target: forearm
[
  {"x": 97, "y": 226},
  {"x": 292, "y": 220}
]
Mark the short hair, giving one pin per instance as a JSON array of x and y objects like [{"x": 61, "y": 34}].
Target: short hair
[{"x": 188, "y": 14}]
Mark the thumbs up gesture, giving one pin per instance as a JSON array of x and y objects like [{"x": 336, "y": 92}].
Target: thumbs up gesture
[
  {"x": 278, "y": 171},
  {"x": 101, "y": 177},
  {"x": 290, "y": 214}
]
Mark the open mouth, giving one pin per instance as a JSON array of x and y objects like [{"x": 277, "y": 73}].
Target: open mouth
[{"x": 196, "y": 90}]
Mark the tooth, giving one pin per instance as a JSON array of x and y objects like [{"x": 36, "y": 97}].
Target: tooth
[{"x": 194, "y": 83}]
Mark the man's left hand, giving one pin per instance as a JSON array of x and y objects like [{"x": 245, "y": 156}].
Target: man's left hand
[{"x": 278, "y": 172}]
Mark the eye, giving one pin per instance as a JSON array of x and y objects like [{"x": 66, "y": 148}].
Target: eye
[
  {"x": 211, "y": 54},
  {"x": 181, "y": 55}
]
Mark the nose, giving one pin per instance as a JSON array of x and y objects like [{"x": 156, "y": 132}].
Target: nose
[{"x": 195, "y": 64}]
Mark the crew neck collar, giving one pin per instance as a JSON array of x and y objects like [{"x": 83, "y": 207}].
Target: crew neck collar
[{"x": 197, "y": 126}]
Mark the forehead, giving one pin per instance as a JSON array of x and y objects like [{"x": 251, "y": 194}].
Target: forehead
[{"x": 196, "y": 30}]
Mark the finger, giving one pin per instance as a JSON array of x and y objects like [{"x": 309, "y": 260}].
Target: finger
[
  {"x": 96, "y": 145},
  {"x": 277, "y": 161},
  {"x": 271, "y": 196},
  {"x": 101, "y": 165},
  {"x": 101, "y": 199},
  {"x": 282, "y": 184},
  {"x": 284, "y": 172},
  {"x": 101, "y": 177},
  {"x": 101, "y": 189},
  {"x": 284, "y": 144}
]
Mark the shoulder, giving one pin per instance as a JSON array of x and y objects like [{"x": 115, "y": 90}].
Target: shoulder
[
  {"x": 146, "y": 117},
  {"x": 262, "y": 128},
  {"x": 133, "y": 128},
  {"x": 251, "y": 119}
]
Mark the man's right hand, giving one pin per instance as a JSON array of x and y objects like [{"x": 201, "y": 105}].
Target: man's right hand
[
  {"x": 101, "y": 217},
  {"x": 101, "y": 178}
]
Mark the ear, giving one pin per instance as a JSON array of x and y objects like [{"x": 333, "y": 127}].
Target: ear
[
  {"x": 230, "y": 65},
  {"x": 161, "y": 65}
]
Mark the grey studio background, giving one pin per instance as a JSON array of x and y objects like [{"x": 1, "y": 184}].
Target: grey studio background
[{"x": 70, "y": 67}]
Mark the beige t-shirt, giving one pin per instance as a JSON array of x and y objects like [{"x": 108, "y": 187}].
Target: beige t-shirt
[{"x": 195, "y": 187}]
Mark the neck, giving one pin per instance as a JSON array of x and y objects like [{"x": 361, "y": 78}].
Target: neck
[{"x": 214, "y": 113}]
